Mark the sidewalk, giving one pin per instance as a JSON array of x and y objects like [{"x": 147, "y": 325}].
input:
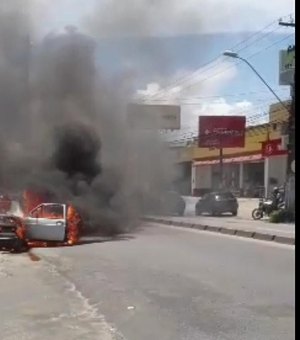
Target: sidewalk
[
  {"x": 241, "y": 225},
  {"x": 260, "y": 230}
]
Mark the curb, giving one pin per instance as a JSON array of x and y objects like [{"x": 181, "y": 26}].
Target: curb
[{"x": 226, "y": 231}]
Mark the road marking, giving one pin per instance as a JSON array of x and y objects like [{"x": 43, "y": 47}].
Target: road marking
[{"x": 88, "y": 312}]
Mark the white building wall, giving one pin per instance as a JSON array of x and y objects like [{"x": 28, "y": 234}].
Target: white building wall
[
  {"x": 276, "y": 168},
  {"x": 201, "y": 177}
]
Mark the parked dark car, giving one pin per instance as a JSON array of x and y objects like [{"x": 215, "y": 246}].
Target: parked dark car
[
  {"x": 171, "y": 203},
  {"x": 217, "y": 203}
]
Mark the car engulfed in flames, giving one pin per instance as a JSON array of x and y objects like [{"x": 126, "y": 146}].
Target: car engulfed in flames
[
  {"x": 40, "y": 224},
  {"x": 53, "y": 223}
]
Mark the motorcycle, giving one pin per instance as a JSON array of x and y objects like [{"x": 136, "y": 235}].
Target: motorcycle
[{"x": 265, "y": 208}]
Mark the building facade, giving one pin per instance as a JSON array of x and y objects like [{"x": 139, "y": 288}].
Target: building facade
[{"x": 251, "y": 171}]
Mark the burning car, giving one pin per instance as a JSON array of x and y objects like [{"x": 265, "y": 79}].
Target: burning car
[
  {"x": 49, "y": 222},
  {"x": 53, "y": 222},
  {"x": 37, "y": 223}
]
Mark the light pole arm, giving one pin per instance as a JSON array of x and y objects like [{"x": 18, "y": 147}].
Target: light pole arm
[{"x": 262, "y": 79}]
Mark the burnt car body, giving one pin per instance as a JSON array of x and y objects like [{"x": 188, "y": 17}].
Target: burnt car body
[
  {"x": 217, "y": 203},
  {"x": 12, "y": 233}
]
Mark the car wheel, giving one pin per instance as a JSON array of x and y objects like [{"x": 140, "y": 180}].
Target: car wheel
[{"x": 234, "y": 213}]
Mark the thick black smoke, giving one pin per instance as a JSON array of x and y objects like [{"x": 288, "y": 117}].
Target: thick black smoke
[
  {"x": 63, "y": 129},
  {"x": 76, "y": 151}
]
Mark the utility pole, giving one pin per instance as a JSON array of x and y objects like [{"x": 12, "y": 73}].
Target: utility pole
[
  {"x": 290, "y": 194},
  {"x": 290, "y": 189},
  {"x": 291, "y": 131},
  {"x": 221, "y": 162},
  {"x": 221, "y": 167}
]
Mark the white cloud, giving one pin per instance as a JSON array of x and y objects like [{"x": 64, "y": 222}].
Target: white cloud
[
  {"x": 213, "y": 107},
  {"x": 206, "y": 81},
  {"x": 216, "y": 107},
  {"x": 200, "y": 95},
  {"x": 192, "y": 90},
  {"x": 221, "y": 107}
]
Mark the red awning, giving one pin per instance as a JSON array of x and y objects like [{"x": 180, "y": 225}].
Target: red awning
[{"x": 240, "y": 159}]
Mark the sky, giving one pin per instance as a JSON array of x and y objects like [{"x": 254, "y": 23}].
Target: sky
[
  {"x": 157, "y": 17},
  {"x": 168, "y": 44}
]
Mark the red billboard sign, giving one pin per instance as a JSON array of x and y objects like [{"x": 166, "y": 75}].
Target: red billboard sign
[
  {"x": 272, "y": 148},
  {"x": 221, "y": 131}
]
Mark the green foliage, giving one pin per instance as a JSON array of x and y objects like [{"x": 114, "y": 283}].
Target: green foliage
[{"x": 281, "y": 216}]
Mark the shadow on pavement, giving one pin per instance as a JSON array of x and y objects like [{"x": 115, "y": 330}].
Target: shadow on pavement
[
  {"x": 83, "y": 241},
  {"x": 102, "y": 239}
]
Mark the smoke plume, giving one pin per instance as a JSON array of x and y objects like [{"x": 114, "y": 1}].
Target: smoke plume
[{"x": 63, "y": 128}]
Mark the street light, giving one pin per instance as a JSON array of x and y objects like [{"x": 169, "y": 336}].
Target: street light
[{"x": 235, "y": 55}]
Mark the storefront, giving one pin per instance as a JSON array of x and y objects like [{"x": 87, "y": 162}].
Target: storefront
[
  {"x": 249, "y": 175},
  {"x": 252, "y": 170},
  {"x": 241, "y": 174}
]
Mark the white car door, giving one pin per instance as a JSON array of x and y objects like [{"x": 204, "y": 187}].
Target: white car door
[{"x": 47, "y": 222}]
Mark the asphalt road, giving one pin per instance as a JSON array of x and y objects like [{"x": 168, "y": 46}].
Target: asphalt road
[{"x": 160, "y": 283}]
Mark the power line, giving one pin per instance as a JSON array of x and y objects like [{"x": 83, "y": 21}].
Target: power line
[
  {"x": 226, "y": 95},
  {"x": 255, "y": 132},
  {"x": 202, "y": 68},
  {"x": 236, "y": 63},
  {"x": 273, "y": 44},
  {"x": 186, "y": 77},
  {"x": 258, "y": 39},
  {"x": 198, "y": 82},
  {"x": 187, "y": 102}
]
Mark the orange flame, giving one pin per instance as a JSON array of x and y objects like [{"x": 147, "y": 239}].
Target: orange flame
[
  {"x": 74, "y": 225},
  {"x": 21, "y": 230},
  {"x": 31, "y": 200}
]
